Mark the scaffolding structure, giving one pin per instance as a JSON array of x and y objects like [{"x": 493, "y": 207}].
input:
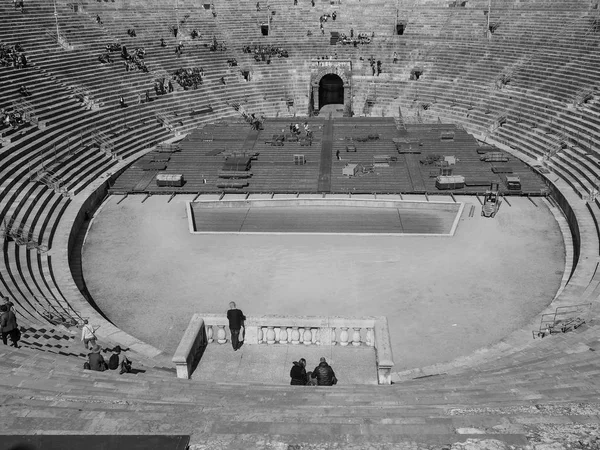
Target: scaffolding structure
[
  {"x": 26, "y": 110},
  {"x": 583, "y": 96},
  {"x": 498, "y": 120},
  {"x": 165, "y": 121},
  {"x": 22, "y": 236},
  {"x": 105, "y": 144},
  {"x": 48, "y": 178},
  {"x": 85, "y": 97}
]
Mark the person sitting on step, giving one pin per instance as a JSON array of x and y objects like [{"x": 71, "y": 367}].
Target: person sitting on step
[
  {"x": 24, "y": 91},
  {"x": 118, "y": 360},
  {"x": 95, "y": 360},
  {"x": 298, "y": 373},
  {"x": 324, "y": 374}
]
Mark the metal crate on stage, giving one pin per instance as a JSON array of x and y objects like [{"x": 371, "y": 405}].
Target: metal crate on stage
[{"x": 169, "y": 180}]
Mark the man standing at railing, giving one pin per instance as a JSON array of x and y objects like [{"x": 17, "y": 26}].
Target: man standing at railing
[{"x": 236, "y": 321}]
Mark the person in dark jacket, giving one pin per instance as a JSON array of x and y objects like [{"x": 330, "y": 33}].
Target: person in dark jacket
[
  {"x": 324, "y": 374},
  {"x": 96, "y": 360},
  {"x": 298, "y": 373},
  {"x": 8, "y": 326},
  {"x": 236, "y": 321}
]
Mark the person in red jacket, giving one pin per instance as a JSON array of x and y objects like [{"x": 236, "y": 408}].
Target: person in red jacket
[{"x": 8, "y": 325}]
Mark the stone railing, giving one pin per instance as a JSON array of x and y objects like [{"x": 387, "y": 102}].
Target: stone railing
[
  {"x": 190, "y": 347},
  {"x": 294, "y": 330}
]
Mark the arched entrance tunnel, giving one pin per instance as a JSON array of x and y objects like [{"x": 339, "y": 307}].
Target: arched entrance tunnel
[{"x": 331, "y": 90}]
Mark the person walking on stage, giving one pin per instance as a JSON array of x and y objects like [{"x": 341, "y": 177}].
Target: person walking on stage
[{"x": 236, "y": 321}]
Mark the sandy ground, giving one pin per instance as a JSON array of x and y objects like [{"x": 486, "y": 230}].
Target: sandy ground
[{"x": 444, "y": 296}]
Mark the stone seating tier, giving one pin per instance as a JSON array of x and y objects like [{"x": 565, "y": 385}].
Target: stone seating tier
[{"x": 552, "y": 55}]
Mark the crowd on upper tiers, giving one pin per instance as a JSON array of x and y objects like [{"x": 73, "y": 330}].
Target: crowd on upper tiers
[
  {"x": 133, "y": 59},
  {"x": 217, "y": 46},
  {"x": 12, "y": 56},
  {"x": 360, "y": 38},
  {"x": 189, "y": 78},
  {"x": 12, "y": 119},
  {"x": 19, "y": 5},
  {"x": 265, "y": 52}
]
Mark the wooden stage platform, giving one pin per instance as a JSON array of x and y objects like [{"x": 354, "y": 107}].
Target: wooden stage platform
[{"x": 388, "y": 159}]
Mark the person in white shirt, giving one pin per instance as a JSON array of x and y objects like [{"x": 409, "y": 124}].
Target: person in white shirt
[{"x": 88, "y": 334}]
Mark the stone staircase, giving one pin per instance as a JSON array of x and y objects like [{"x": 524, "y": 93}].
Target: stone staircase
[{"x": 47, "y": 393}]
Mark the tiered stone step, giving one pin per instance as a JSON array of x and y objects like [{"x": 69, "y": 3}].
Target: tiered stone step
[{"x": 52, "y": 396}]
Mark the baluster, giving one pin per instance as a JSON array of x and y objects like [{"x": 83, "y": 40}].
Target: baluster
[
  {"x": 313, "y": 335},
  {"x": 277, "y": 333},
  {"x": 283, "y": 335},
  {"x": 221, "y": 335},
  {"x": 307, "y": 336},
  {"x": 260, "y": 334},
  {"x": 334, "y": 340},
  {"x": 356, "y": 337},
  {"x": 209, "y": 334},
  {"x": 295, "y": 336},
  {"x": 270, "y": 335},
  {"x": 344, "y": 336},
  {"x": 370, "y": 340}
]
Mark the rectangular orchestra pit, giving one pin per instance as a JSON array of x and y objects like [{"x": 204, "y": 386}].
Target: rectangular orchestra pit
[{"x": 324, "y": 216}]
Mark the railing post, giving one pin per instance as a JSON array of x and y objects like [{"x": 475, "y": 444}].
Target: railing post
[
  {"x": 209, "y": 334},
  {"x": 295, "y": 336},
  {"x": 370, "y": 342},
  {"x": 326, "y": 336},
  {"x": 314, "y": 335},
  {"x": 270, "y": 335},
  {"x": 356, "y": 337},
  {"x": 344, "y": 336},
  {"x": 307, "y": 336},
  {"x": 283, "y": 335},
  {"x": 221, "y": 334}
]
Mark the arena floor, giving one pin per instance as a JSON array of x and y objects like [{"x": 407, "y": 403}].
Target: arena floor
[{"x": 444, "y": 296}]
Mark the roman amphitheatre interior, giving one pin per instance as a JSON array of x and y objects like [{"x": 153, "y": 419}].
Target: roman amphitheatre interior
[{"x": 409, "y": 189}]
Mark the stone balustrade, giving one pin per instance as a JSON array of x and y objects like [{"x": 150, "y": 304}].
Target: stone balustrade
[
  {"x": 369, "y": 331},
  {"x": 190, "y": 347}
]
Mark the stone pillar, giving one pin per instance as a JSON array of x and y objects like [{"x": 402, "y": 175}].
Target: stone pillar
[
  {"x": 221, "y": 334},
  {"x": 356, "y": 337},
  {"x": 307, "y": 337},
  {"x": 344, "y": 336},
  {"x": 251, "y": 334},
  {"x": 326, "y": 336},
  {"x": 295, "y": 336},
  {"x": 283, "y": 335},
  {"x": 347, "y": 100},
  {"x": 270, "y": 335},
  {"x": 370, "y": 341}
]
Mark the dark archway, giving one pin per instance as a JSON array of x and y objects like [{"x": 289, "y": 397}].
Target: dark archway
[{"x": 331, "y": 90}]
